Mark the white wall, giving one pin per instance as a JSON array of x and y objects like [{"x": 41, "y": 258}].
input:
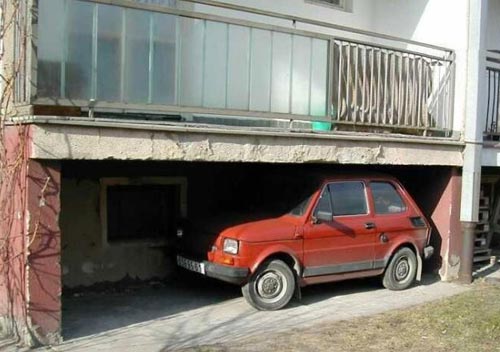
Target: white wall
[
  {"x": 438, "y": 22},
  {"x": 493, "y": 30}
]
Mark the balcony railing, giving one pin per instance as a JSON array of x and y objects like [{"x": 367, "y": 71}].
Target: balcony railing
[
  {"x": 492, "y": 130},
  {"x": 149, "y": 58},
  {"x": 380, "y": 86}
]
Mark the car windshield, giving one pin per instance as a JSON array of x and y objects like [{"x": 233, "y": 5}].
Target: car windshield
[{"x": 301, "y": 208}]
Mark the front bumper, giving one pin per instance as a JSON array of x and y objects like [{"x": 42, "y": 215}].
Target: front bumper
[
  {"x": 226, "y": 273},
  {"x": 231, "y": 274}
]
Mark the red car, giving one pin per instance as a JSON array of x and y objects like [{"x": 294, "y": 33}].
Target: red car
[{"x": 350, "y": 227}]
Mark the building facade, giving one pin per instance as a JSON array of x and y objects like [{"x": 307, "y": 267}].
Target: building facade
[{"x": 125, "y": 117}]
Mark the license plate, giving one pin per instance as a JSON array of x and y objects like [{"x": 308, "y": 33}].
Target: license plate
[{"x": 191, "y": 265}]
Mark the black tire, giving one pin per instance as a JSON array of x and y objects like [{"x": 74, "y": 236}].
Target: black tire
[
  {"x": 401, "y": 271},
  {"x": 271, "y": 287}
]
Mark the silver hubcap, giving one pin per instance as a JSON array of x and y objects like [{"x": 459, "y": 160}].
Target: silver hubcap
[
  {"x": 271, "y": 286},
  {"x": 402, "y": 269}
]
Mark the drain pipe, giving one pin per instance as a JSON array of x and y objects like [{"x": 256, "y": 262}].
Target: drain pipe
[{"x": 473, "y": 134}]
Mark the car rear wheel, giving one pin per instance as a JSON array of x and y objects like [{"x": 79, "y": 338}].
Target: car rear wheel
[
  {"x": 271, "y": 287},
  {"x": 401, "y": 271}
]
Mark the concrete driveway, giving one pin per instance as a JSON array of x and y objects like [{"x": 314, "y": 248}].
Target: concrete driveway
[{"x": 199, "y": 312}]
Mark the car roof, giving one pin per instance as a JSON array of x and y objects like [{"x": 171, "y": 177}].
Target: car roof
[{"x": 365, "y": 176}]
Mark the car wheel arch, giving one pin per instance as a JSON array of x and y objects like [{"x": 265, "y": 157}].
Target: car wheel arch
[
  {"x": 290, "y": 259},
  {"x": 414, "y": 248}
]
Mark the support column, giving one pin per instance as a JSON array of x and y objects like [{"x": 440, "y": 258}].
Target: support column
[
  {"x": 446, "y": 218},
  {"x": 474, "y": 122},
  {"x": 44, "y": 251},
  {"x": 468, "y": 233}
]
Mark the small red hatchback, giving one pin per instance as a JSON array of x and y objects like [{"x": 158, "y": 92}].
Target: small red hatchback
[{"x": 350, "y": 227}]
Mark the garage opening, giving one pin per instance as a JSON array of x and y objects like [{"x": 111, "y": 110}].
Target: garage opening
[{"x": 119, "y": 222}]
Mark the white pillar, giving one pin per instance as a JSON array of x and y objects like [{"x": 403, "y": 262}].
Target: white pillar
[{"x": 475, "y": 115}]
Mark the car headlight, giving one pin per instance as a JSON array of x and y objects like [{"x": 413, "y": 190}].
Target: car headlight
[{"x": 230, "y": 246}]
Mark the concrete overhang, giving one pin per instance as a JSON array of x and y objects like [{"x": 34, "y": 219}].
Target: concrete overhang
[
  {"x": 490, "y": 154},
  {"x": 108, "y": 139}
]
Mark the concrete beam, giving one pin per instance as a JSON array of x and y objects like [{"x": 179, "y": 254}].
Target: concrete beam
[{"x": 94, "y": 142}]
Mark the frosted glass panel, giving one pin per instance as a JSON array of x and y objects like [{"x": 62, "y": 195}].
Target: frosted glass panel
[
  {"x": 319, "y": 74},
  {"x": 117, "y": 54},
  {"x": 79, "y": 60},
  {"x": 215, "y": 70},
  {"x": 50, "y": 52},
  {"x": 301, "y": 75},
  {"x": 109, "y": 47},
  {"x": 281, "y": 66},
  {"x": 191, "y": 75},
  {"x": 163, "y": 75},
  {"x": 260, "y": 70},
  {"x": 137, "y": 56},
  {"x": 238, "y": 67}
]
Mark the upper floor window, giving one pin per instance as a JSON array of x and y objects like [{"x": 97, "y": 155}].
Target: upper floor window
[
  {"x": 340, "y": 4},
  {"x": 158, "y": 2}
]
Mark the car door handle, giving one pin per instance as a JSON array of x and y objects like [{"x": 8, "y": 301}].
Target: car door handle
[{"x": 369, "y": 225}]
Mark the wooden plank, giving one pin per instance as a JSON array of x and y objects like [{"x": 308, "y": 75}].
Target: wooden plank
[{"x": 56, "y": 110}]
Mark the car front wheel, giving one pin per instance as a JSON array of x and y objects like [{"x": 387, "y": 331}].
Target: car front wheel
[
  {"x": 271, "y": 287},
  {"x": 401, "y": 271}
]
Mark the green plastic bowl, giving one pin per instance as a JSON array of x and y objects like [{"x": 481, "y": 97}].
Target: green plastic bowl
[{"x": 321, "y": 126}]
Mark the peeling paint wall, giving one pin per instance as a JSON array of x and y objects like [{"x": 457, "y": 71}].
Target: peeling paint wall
[
  {"x": 447, "y": 218},
  {"x": 86, "y": 259}
]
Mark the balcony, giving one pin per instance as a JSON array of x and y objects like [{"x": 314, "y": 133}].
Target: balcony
[
  {"x": 492, "y": 130},
  {"x": 154, "y": 60}
]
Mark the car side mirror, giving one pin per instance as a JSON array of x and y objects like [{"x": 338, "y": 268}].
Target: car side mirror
[{"x": 323, "y": 216}]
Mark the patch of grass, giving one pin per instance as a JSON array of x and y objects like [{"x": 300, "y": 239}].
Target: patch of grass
[{"x": 466, "y": 322}]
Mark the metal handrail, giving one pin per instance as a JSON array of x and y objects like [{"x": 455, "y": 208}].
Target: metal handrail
[{"x": 324, "y": 24}]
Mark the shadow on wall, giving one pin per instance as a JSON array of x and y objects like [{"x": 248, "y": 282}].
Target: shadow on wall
[
  {"x": 428, "y": 187},
  {"x": 399, "y": 18}
]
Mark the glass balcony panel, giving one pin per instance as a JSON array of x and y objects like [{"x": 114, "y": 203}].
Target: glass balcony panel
[
  {"x": 192, "y": 34},
  {"x": 281, "y": 68},
  {"x": 137, "y": 52},
  {"x": 238, "y": 67},
  {"x": 109, "y": 52},
  {"x": 79, "y": 49},
  {"x": 260, "y": 70},
  {"x": 301, "y": 75},
  {"x": 319, "y": 75},
  {"x": 215, "y": 70},
  {"x": 116, "y": 54},
  {"x": 50, "y": 54},
  {"x": 164, "y": 59}
]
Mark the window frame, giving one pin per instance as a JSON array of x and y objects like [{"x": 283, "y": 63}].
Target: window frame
[
  {"x": 343, "y": 5},
  {"x": 365, "y": 191},
  {"x": 398, "y": 192},
  {"x": 141, "y": 181}
]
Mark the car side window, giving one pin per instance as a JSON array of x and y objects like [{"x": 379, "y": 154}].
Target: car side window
[
  {"x": 348, "y": 198},
  {"x": 387, "y": 199}
]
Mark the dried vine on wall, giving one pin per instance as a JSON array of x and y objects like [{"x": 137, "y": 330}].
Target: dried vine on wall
[{"x": 13, "y": 162}]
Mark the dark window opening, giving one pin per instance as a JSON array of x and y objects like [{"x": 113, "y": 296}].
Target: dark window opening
[{"x": 142, "y": 212}]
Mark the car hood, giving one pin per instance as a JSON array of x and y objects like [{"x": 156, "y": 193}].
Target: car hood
[{"x": 282, "y": 228}]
